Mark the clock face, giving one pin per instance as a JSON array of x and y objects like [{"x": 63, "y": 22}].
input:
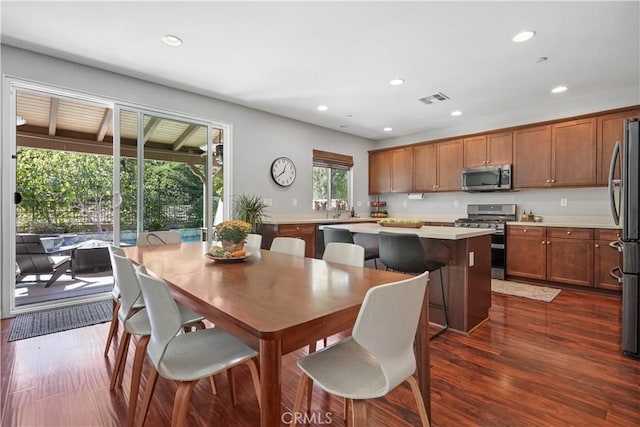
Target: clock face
[{"x": 283, "y": 171}]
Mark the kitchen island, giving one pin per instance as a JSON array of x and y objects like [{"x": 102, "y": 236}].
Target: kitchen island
[{"x": 467, "y": 275}]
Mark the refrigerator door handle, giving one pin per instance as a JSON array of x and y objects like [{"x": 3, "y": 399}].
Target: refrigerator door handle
[
  {"x": 613, "y": 182},
  {"x": 616, "y": 276}
]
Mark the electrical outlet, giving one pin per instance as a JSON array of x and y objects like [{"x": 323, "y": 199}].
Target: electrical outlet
[
  {"x": 359, "y": 204},
  {"x": 404, "y": 203},
  {"x": 456, "y": 203},
  {"x": 472, "y": 259},
  {"x": 268, "y": 202},
  {"x": 563, "y": 202},
  {"x": 295, "y": 202}
]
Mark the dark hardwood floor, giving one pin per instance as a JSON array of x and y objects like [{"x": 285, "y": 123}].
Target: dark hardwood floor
[{"x": 532, "y": 364}]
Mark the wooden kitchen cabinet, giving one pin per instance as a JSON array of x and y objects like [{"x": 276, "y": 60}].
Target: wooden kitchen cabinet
[
  {"x": 532, "y": 157},
  {"x": 573, "y": 153},
  {"x": 438, "y": 166},
  {"x": 606, "y": 258},
  {"x": 609, "y": 131},
  {"x": 425, "y": 166},
  {"x": 391, "y": 171},
  {"x": 570, "y": 255},
  {"x": 526, "y": 252},
  {"x": 491, "y": 149},
  {"x": 305, "y": 232}
]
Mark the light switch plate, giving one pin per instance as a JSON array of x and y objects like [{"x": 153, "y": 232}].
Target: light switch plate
[{"x": 563, "y": 202}]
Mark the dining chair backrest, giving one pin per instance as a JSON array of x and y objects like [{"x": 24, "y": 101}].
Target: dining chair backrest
[
  {"x": 115, "y": 291},
  {"x": 339, "y": 235},
  {"x": 157, "y": 238},
  {"x": 124, "y": 273},
  {"x": 344, "y": 253},
  {"x": 254, "y": 240},
  {"x": 288, "y": 245},
  {"x": 387, "y": 324},
  {"x": 402, "y": 252},
  {"x": 164, "y": 315}
]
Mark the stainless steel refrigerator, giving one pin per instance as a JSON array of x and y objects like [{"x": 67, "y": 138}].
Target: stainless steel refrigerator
[{"x": 625, "y": 208}]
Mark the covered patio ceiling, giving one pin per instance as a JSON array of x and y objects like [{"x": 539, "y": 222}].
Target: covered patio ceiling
[{"x": 59, "y": 123}]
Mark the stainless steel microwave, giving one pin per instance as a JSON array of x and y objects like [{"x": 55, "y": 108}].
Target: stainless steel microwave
[{"x": 487, "y": 178}]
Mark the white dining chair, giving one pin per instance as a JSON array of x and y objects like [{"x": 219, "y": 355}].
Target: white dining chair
[
  {"x": 377, "y": 357},
  {"x": 135, "y": 321},
  {"x": 344, "y": 253},
  {"x": 186, "y": 358},
  {"x": 288, "y": 245},
  {"x": 254, "y": 241},
  {"x": 115, "y": 296},
  {"x": 155, "y": 238}
]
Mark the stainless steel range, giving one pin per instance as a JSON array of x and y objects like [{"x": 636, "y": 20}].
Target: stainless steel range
[{"x": 491, "y": 216}]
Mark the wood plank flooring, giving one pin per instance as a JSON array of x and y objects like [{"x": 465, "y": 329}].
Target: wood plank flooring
[{"x": 532, "y": 364}]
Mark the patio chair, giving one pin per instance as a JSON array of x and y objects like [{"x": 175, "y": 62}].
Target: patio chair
[{"x": 32, "y": 258}]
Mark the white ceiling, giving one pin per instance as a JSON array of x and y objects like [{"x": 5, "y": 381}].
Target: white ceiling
[{"x": 289, "y": 57}]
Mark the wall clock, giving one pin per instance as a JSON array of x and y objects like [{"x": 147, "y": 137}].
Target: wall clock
[{"x": 283, "y": 171}]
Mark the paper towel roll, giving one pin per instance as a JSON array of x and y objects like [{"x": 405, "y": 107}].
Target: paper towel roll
[{"x": 416, "y": 196}]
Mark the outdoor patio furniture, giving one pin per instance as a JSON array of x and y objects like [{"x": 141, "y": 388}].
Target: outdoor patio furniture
[
  {"x": 89, "y": 260},
  {"x": 32, "y": 258}
]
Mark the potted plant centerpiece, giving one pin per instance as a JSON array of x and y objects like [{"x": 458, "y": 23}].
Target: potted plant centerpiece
[{"x": 232, "y": 234}]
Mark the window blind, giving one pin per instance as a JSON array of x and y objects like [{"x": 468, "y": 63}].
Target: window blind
[{"x": 332, "y": 160}]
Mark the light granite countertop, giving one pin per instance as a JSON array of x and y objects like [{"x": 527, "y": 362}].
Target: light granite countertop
[
  {"x": 429, "y": 232},
  {"x": 566, "y": 224}
]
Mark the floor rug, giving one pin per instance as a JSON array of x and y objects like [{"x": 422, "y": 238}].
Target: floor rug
[
  {"x": 540, "y": 293},
  {"x": 60, "y": 319}
]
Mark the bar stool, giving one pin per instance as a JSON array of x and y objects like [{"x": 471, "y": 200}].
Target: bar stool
[
  {"x": 341, "y": 235},
  {"x": 403, "y": 252}
]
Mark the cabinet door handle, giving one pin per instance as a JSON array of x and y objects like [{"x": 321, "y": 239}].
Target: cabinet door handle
[
  {"x": 548, "y": 181},
  {"x": 524, "y": 231},
  {"x": 568, "y": 232},
  {"x": 597, "y": 245},
  {"x": 553, "y": 180},
  {"x": 548, "y": 243},
  {"x": 616, "y": 276},
  {"x": 543, "y": 242}
]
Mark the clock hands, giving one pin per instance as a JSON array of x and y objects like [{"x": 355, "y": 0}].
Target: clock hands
[{"x": 284, "y": 169}]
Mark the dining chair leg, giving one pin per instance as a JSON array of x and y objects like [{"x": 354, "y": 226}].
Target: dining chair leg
[
  {"x": 345, "y": 410},
  {"x": 123, "y": 347},
  {"x": 113, "y": 330},
  {"x": 151, "y": 385},
  {"x": 232, "y": 385},
  {"x": 214, "y": 387},
  {"x": 181, "y": 404},
  {"x": 359, "y": 413},
  {"x": 136, "y": 373},
  {"x": 424, "y": 418},
  {"x": 253, "y": 369},
  {"x": 297, "y": 404}
]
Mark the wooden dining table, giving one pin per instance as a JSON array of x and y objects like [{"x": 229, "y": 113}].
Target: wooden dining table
[{"x": 276, "y": 303}]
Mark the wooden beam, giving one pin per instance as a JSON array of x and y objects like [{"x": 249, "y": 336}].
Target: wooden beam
[
  {"x": 190, "y": 130},
  {"x": 53, "y": 116},
  {"x": 73, "y": 145},
  {"x": 150, "y": 127},
  {"x": 104, "y": 124}
]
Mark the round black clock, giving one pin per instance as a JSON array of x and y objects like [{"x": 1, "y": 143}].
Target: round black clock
[{"x": 283, "y": 171}]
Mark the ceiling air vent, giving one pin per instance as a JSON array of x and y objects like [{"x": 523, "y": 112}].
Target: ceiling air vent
[{"x": 434, "y": 98}]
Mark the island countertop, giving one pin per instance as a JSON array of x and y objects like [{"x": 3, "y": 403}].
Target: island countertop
[{"x": 429, "y": 232}]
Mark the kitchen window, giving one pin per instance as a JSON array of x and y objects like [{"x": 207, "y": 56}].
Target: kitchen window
[{"x": 331, "y": 181}]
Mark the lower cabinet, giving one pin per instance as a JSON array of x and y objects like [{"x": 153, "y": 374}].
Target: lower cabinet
[
  {"x": 575, "y": 256},
  {"x": 305, "y": 232}
]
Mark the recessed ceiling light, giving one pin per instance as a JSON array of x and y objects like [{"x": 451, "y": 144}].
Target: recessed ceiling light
[
  {"x": 456, "y": 113},
  {"x": 322, "y": 108},
  {"x": 388, "y": 129},
  {"x": 559, "y": 89},
  {"x": 171, "y": 40},
  {"x": 523, "y": 36},
  {"x": 396, "y": 82}
]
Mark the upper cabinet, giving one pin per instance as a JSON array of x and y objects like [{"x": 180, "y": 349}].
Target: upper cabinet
[
  {"x": 573, "y": 154},
  {"x": 610, "y": 131},
  {"x": 558, "y": 155},
  {"x": 532, "y": 157},
  {"x": 569, "y": 153},
  {"x": 391, "y": 171},
  {"x": 438, "y": 166},
  {"x": 485, "y": 150}
]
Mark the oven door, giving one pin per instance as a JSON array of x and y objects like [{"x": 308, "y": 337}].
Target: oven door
[{"x": 498, "y": 255}]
